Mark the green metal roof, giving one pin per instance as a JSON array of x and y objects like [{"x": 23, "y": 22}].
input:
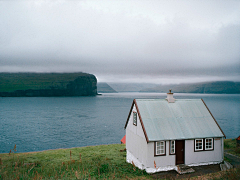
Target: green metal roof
[{"x": 183, "y": 119}]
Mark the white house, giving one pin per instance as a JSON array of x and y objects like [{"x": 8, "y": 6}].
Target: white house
[{"x": 163, "y": 133}]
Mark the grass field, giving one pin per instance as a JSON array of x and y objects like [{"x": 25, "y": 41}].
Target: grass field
[{"x": 92, "y": 162}]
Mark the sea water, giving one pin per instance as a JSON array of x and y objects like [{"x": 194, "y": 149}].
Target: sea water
[{"x": 42, "y": 123}]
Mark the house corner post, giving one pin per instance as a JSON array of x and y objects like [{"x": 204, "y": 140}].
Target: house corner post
[{"x": 222, "y": 149}]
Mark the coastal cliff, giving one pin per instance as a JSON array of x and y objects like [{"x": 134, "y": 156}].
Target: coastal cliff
[{"x": 47, "y": 84}]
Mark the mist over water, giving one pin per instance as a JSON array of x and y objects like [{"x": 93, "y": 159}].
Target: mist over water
[{"x": 41, "y": 123}]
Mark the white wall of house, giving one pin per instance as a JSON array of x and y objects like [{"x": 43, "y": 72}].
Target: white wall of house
[
  {"x": 161, "y": 161},
  {"x": 136, "y": 142},
  {"x": 138, "y": 130},
  {"x": 201, "y": 157}
]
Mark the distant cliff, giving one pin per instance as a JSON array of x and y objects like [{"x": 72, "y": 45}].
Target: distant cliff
[
  {"x": 47, "y": 84},
  {"x": 105, "y": 88},
  {"x": 218, "y": 87},
  {"x": 130, "y": 87}
]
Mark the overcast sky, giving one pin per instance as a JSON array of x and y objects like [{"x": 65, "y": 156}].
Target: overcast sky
[{"x": 123, "y": 41}]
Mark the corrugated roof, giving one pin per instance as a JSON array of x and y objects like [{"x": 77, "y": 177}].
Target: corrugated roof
[{"x": 184, "y": 119}]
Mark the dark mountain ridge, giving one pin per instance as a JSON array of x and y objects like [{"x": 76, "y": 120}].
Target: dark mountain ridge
[{"x": 47, "y": 84}]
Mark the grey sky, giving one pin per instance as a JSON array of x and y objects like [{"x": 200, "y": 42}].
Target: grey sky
[{"x": 140, "y": 41}]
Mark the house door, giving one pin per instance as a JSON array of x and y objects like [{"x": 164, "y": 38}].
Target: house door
[{"x": 180, "y": 151}]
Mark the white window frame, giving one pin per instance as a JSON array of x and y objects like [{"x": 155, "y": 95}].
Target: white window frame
[
  {"x": 211, "y": 148},
  {"x": 197, "y": 144},
  {"x": 134, "y": 118},
  {"x": 160, "y": 148},
  {"x": 172, "y": 147}
]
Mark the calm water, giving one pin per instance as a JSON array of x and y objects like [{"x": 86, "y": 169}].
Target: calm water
[{"x": 39, "y": 123}]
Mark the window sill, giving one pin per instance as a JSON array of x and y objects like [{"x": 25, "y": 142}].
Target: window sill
[
  {"x": 159, "y": 155},
  {"x": 209, "y": 149},
  {"x": 198, "y": 150}
]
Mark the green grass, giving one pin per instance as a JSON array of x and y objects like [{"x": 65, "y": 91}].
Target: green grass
[
  {"x": 93, "y": 162},
  {"x": 227, "y": 159},
  {"x": 231, "y": 146},
  {"x": 231, "y": 174},
  {"x": 230, "y": 143}
]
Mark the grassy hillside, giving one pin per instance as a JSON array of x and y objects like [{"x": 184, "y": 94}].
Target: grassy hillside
[
  {"x": 29, "y": 84},
  {"x": 93, "y": 162},
  {"x": 10, "y": 82}
]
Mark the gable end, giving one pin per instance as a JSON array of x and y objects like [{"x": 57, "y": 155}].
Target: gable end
[{"x": 140, "y": 118}]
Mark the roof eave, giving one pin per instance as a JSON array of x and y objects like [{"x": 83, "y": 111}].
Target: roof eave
[
  {"x": 129, "y": 114},
  {"x": 154, "y": 140}
]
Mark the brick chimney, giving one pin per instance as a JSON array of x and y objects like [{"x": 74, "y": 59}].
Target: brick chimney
[{"x": 170, "y": 98}]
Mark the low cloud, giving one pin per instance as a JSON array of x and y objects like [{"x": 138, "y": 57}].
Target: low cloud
[{"x": 120, "y": 41}]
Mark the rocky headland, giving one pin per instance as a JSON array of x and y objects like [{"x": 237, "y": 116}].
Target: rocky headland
[{"x": 47, "y": 84}]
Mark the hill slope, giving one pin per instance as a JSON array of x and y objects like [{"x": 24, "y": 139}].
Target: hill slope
[
  {"x": 218, "y": 87},
  {"x": 130, "y": 87},
  {"x": 105, "y": 88},
  {"x": 47, "y": 84}
]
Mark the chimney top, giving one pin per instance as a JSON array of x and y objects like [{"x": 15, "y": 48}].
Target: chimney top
[
  {"x": 170, "y": 91},
  {"x": 170, "y": 98}
]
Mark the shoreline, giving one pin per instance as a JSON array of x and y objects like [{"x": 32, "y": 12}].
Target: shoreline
[{"x": 32, "y": 152}]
